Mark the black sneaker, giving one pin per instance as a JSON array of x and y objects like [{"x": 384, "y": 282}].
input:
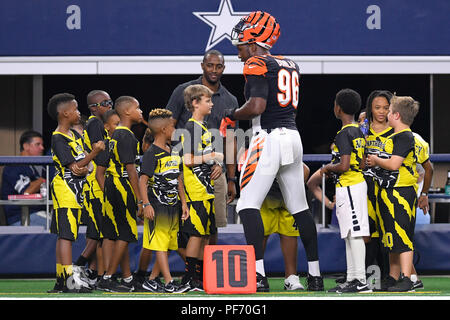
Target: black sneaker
[
  {"x": 189, "y": 285},
  {"x": 403, "y": 285},
  {"x": 58, "y": 288},
  {"x": 138, "y": 281},
  {"x": 111, "y": 285},
  {"x": 262, "y": 284},
  {"x": 340, "y": 286},
  {"x": 386, "y": 283},
  {"x": 170, "y": 287},
  {"x": 153, "y": 285},
  {"x": 354, "y": 286},
  {"x": 418, "y": 284},
  {"x": 314, "y": 283},
  {"x": 129, "y": 285}
]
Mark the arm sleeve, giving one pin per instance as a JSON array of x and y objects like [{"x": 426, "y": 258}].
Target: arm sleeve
[
  {"x": 126, "y": 148},
  {"x": 62, "y": 151},
  {"x": 402, "y": 145},
  {"x": 148, "y": 163},
  {"x": 258, "y": 86},
  {"x": 343, "y": 143}
]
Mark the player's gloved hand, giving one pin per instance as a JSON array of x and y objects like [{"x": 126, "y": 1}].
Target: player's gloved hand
[{"x": 229, "y": 113}]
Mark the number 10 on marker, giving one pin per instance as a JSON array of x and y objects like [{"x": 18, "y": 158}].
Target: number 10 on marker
[{"x": 229, "y": 269}]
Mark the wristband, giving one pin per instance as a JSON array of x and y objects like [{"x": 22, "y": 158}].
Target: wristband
[
  {"x": 140, "y": 202},
  {"x": 424, "y": 194},
  {"x": 145, "y": 204},
  {"x": 234, "y": 179}
]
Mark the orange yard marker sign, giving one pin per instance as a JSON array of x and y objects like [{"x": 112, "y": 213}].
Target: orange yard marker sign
[{"x": 229, "y": 269}]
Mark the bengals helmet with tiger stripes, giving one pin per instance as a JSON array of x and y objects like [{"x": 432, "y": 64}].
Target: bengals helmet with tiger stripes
[{"x": 258, "y": 27}]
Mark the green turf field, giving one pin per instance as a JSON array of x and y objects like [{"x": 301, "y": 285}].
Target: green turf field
[{"x": 435, "y": 286}]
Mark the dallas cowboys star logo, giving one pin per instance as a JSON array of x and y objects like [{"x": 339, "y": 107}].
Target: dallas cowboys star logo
[{"x": 221, "y": 22}]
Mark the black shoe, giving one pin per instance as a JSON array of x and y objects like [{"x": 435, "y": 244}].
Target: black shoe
[
  {"x": 262, "y": 284},
  {"x": 170, "y": 287},
  {"x": 386, "y": 283},
  {"x": 138, "y": 281},
  {"x": 354, "y": 286},
  {"x": 129, "y": 285},
  {"x": 153, "y": 285},
  {"x": 403, "y": 285},
  {"x": 340, "y": 286},
  {"x": 58, "y": 288},
  {"x": 111, "y": 285},
  {"x": 418, "y": 285},
  {"x": 314, "y": 283}
]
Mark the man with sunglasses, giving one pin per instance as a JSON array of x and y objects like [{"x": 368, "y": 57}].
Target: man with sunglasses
[{"x": 98, "y": 102}]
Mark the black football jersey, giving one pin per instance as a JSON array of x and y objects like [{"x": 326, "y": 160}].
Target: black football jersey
[{"x": 276, "y": 79}]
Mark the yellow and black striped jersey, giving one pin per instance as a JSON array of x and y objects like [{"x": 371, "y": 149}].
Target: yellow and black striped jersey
[
  {"x": 67, "y": 188},
  {"x": 94, "y": 132},
  {"x": 422, "y": 149},
  {"x": 123, "y": 149},
  {"x": 401, "y": 144},
  {"x": 349, "y": 141},
  {"x": 197, "y": 179},
  {"x": 163, "y": 169},
  {"x": 374, "y": 145}
]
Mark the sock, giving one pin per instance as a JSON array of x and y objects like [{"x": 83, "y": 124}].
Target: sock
[
  {"x": 314, "y": 268},
  {"x": 141, "y": 273},
  {"x": 414, "y": 277},
  {"x": 358, "y": 251},
  {"x": 59, "y": 270},
  {"x": 308, "y": 233},
  {"x": 81, "y": 261},
  {"x": 260, "y": 267},
  {"x": 190, "y": 266},
  {"x": 128, "y": 279},
  {"x": 254, "y": 230},
  {"x": 107, "y": 276},
  {"x": 199, "y": 270},
  {"x": 66, "y": 272}
]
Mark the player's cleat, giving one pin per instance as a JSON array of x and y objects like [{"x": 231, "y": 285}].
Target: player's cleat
[
  {"x": 314, "y": 283},
  {"x": 262, "y": 284},
  {"x": 153, "y": 285},
  {"x": 111, "y": 285},
  {"x": 386, "y": 283},
  {"x": 292, "y": 283},
  {"x": 403, "y": 285},
  {"x": 354, "y": 286},
  {"x": 418, "y": 284}
]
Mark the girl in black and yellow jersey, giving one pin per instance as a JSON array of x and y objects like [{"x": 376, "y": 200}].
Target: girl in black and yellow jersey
[
  {"x": 377, "y": 109},
  {"x": 71, "y": 163},
  {"x": 397, "y": 200},
  {"x": 200, "y": 167},
  {"x": 122, "y": 194}
]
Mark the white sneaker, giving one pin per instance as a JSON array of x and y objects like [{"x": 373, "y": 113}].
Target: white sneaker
[
  {"x": 292, "y": 283},
  {"x": 80, "y": 278}
]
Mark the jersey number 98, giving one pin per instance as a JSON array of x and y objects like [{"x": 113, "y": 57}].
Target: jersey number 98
[{"x": 288, "y": 84}]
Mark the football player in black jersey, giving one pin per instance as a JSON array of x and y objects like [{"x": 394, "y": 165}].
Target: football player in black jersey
[{"x": 272, "y": 92}]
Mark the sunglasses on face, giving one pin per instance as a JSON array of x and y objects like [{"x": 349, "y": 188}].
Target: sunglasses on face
[{"x": 104, "y": 103}]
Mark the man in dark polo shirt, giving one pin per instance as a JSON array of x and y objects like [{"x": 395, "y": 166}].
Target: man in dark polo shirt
[{"x": 213, "y": 66}]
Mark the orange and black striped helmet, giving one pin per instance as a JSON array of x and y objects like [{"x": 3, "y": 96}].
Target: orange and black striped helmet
[{"x": 258, "y": 27}]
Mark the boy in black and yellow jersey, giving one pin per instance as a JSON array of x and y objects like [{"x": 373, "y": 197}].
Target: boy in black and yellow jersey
[
  {"x": 397, "y": 177},
  {"x": 201, "y": 165},
  {"x": 66, "y": 189},
  {"x": 351, "y": 190},
  {"x": 98, "y": 102},
  {"x": 122, "y": 193},
  {"x": 162, "y": 192}
]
